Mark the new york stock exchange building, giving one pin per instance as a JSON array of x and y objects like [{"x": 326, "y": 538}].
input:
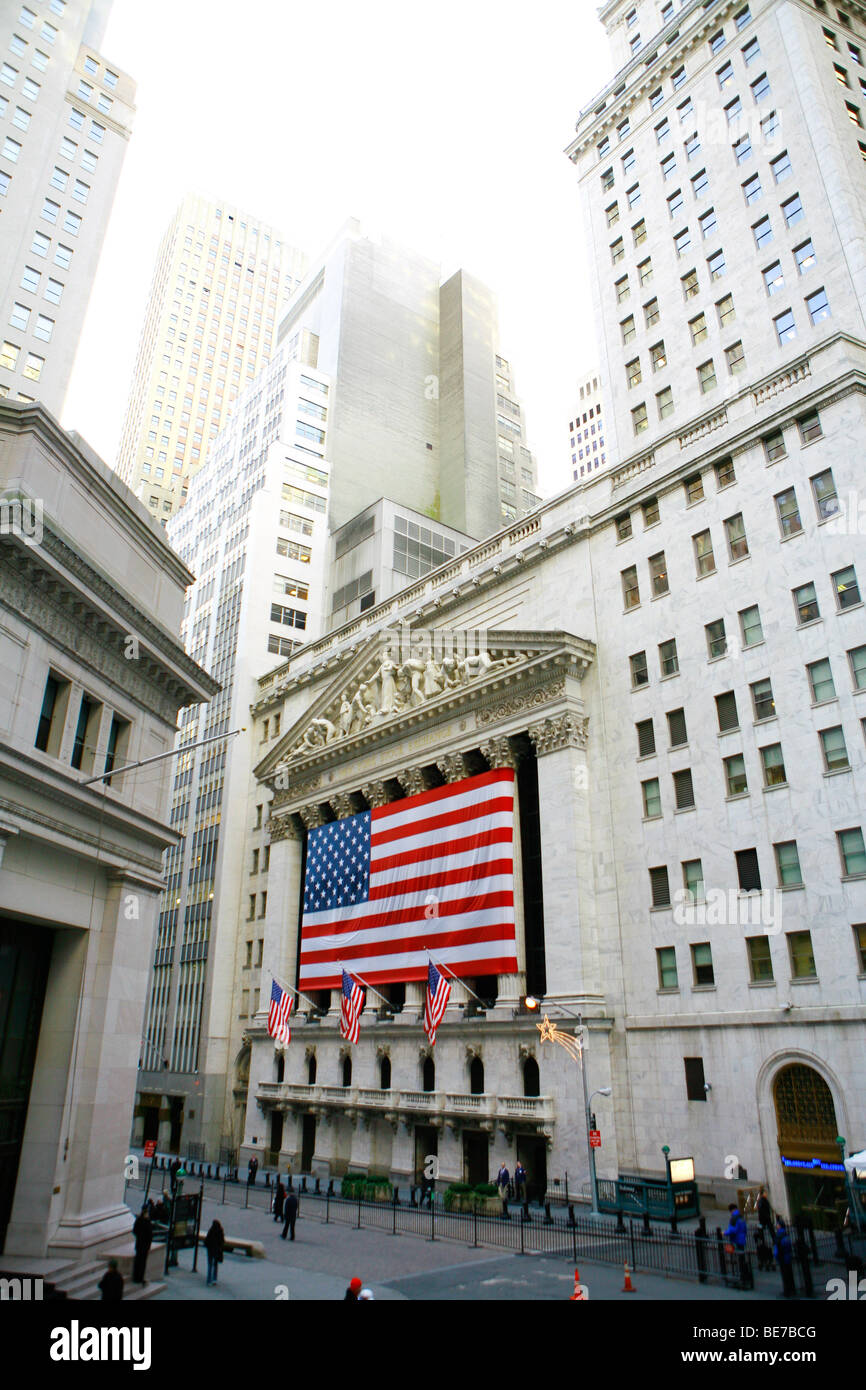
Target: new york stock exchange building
[{"x": 626, "y": 876}]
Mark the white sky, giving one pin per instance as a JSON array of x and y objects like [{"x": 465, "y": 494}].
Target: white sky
[{"x": 442, "y": 125}]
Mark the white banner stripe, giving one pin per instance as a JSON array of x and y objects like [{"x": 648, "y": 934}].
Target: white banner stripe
[
  {"x": 464, "y": 832},
  {"x": 456, "y": 893},
  {"x": 475, "y": 797},
  {"x": 432, "y": 927},
  {"x": 481, "y": 950}
]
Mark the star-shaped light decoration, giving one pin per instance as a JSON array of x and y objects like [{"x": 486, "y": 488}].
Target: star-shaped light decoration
[{"x": 550, "y": 1033}]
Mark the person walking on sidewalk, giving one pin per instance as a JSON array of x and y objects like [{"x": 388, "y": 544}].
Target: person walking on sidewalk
[
  {"x": 143, "y": 1233},
  {"x": 290, "y": 1214},
  {"x": 503, "y": 1178},
  {"x": 252, "y": 1169},
  {"x": 353, "y": 1291},
  {"x": 785, "y": 1257},
  {"x": 737, "y": 1233},
  {"x": 111, "y": 1284},
  {"x": 214, "y": 1244},
  {"x": 764, "y": 1238}
]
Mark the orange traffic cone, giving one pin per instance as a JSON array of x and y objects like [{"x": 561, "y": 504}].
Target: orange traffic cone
[
  {"x": 628, "y": 1286},
  {"x": 577, "y": 1296}
]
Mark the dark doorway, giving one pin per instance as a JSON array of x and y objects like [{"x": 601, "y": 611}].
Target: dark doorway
[
  {"x": 532, "y": 1153},
  {"x": 176, "y": 1118},
  {"x": 311, "y": 1069},
  {"x": 151, "y": 1122},
  {"x": 428, "y": 1075},
  {"x": 385, "y": 1074},
  {"x": 476, "y": 1077},
  {"x": 531, "y": 1078},
  {"x": 281, "y": 1066},
  {"x": 25, "y": 953},
  {"x": 476, "y": 1164},
  {"x": 308, "y": 1143},
  {"x": 426, "y": 1147},
  {"x": 530, "y": 858},
  {"x": 276, "y": 1131},
  {"x": 347, "y": 1071}
]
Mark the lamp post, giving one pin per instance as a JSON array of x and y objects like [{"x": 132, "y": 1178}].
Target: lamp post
[{"x": 573, "y": 1045}]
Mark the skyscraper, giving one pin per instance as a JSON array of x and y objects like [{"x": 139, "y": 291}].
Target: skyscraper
[
  {"x": 65, "y": 119},
  {"x": 221, "y": 277},
  {"x": 586, "y": 432}
]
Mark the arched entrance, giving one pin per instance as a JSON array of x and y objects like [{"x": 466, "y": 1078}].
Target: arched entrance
[{"x": 806, "y": 1129}]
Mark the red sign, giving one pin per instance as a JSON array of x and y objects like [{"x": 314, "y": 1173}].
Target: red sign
[
  {"x": 149, "y": 1148},
  {"x": 595, "y": 1138}
]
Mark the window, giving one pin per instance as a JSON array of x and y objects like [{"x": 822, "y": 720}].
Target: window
[
  {"x": 735, "y": 358},
  {"x": 645, "y": 271},
  {"x": 639, "y": 671},
  {"x": 72, "y": 223},
  {"x": 27, "y": 18},
  {"x": 11, "y": 149},
  {"x": 668, "y": 166},
  {"x": 622, "y": 289},
  {"x": 700, "y": 183},
  {"x": 694, "y": 489},
  {"x": 785, "y": 327},
  {"x": 818, "y": 306},
  {"x": 852, "y": 850},
  {"x": 801, "y": 954},
  {"x": 666, "y": 957},
  {"x": 652, "y": 799},
  {"x": 658, "y": 574},
  {"x": 54, "y": 291},
  {"x": 623, "y": 128},
  {"x": 630, "y": 589},
  {"x": 693, "y": 880},
  {"x": 824, "y": 489},
  {"x": 63, "y": 256},
  {"x": 651, "y": 313},
  {"x": 44, "y": 328},
  {"x": 857, "y": 658},
  {"x": 97, "y": 132},
  {"x": 39, "y": 60},
  {"x": 761, "y": 88},
  {"x": 708, "y": 222},
  {"x": 774, "y": 280},
  {"x": 650, "y": 510},
  {"x": 725, "y": 75},
  {"x": 742, "y": 149},
  {"x": 603, "y": 146},
  {"x": 656, "y": 98},
  {"x": 695, "y": 1088},
  {"x": 717, "y": 642},
  {"x": 633, "y": 372},
  {"x": 717, "y": 41},
  {"x": 762, "y": 231},
  {"x": 805, "y": 257},
  {"x": 749, "y": 626},
  {"x": 49, "y": 731},
  {"x": 660, "y": 887},
  {"x": 725, "y": 474},
  {"x": 40, "y": 244},
  {"x": 774, "y": 765},
  {"x": 33, "y": 366},
  {"x": 19, "y": 317},
  {"x": 607, "y": 180},
  {"x": 698, "y": 329},
  {"x": 716, "y": 265},
  {"x": 668, "y": 662},
  {"x": 810, "y": 427},
  {"x": 675, "y": 202},
  {"x": 665, "y": 403},
  {"x": 30, "y": 89},
  {"x": 690, "y": 285},
  {"x": 677, "y": 732},
  {"x": 770, "y": 126},
  {"x": 80, "y": 191},
  {"x": 5, "y": 181},
  {"x": 633, "y": 195},
  {"x": 806, "y": 604},
  {"x": 751, "y": 51},
  {"x": 663, "y": 130},
  {"x": 21, "y": 118},
  {"x": 781, "y": 166},
  {"x": 735, "y": 775},
  {"x": 774, "y": 446},
  {"x": 623, "y": 526},
  {"x": 742, "y": 18},
  {"x": 821, "y": 681},
  {"x": 789, "y": 513},
  {"x": 752, "y": 189},
  {"x": 678, "y": 78},
  {"x": 760, "y": 958},
  {"x": 707, "y": 376},
  {"x": 726, "y": 712},
  {"x": 733, "y": 109},
  {"x": 860, "y": 945},
  {"x": 50, "y": 210},
  {"x": 853, "y": 114},
  {"x": 628, "y": 161},
  {"x": 748, "y": 870},
  {"x": 704, "y": 559},
  {"x": 627, "y": 329},
  {"x": 612, "y": 214},
  {"x": 685, "y": 109},
  {"x": 639, "y": 419},
  {"x": 847, "y": 588},
  {"x": 30, "y": 279},
  {"x": 702, "y": 967},
  {"x": 830, "y": 39},
  {"x": 762, "y": 699},
  {"x": 646, "y": 740},
  {"x": 59, "y": 178},
  {"x": 9, "y": 356},
  {"x": 8, "y": 74},
  {"x": 834, "y": 750},
  {"x": 793, "y": 210}
]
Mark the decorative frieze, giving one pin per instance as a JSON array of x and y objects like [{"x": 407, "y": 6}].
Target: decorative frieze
[
  {"x": 532, "y": 699},
  {"x": 561, "y": 731}
]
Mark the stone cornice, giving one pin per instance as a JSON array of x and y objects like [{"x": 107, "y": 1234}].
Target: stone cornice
[{"x": 61, "y": 833}]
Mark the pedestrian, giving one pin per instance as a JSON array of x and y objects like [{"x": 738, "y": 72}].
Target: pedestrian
[
  {"x": 252, "y": 1169},
  {"x": 214, "y": 1244},
  {"x": 764, "y": 1234},
  {"x": 279, "y": 1198},
  {"x": 111, "y": 1284},
  {"x": 143, "y": 1233},
  {"x": 353, "y": 1292},
  {"x": 785, "y": 1257},
  {"x": 503, "y": 1178},
  {"x": 290, "y": 1214},
  {"x": 737, "y": 1233},
  {"x": 365, "y": 1296},
  {"x": 173, "y": 1170},
  {"x": 520, "y": 1182}
]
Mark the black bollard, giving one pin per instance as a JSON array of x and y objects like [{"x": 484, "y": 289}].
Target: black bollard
[
  {"x": 331, "y": 1188},
  {"x": 303, "y": 1182},
  {"x": 395, "y": 1197},
  {"x": 700, "y": 1250},
  {"x": 646, "y": 1223},
  {"x": 412, "y": 1197},
  {"x": 318, "y": 1186},
  {"x": 802, "y": 1253},
  {"x": 571, "y": 1213},
  {"x": 620, "y": 1224},
  {"x": 524, "y": 1216},
  {"x": 548, "y": 1219}
]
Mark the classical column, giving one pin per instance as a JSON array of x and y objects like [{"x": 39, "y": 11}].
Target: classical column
[
  {"x": 412, "y": 780},
  {"x": 344, "y": 805},
  {"x": 570, "y": 927},
  {"x": 375, "y": 794},
  {"x": 283, "y": 920},
  {"x": 499, "y": 752},
  {"x": 452, "y": 766}
]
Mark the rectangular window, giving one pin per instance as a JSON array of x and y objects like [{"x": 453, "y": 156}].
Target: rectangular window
[
  {"x": 725, "y": 310},
  {"x": 824, "y": 490},
  {"x": 698, "y": 329},
  {"x": 733, "y": 110},
  {"x": 663, "y": 130},
  {"x": 735, "y": 775},
  {"x": 633, "y": 373},
  {"x": 33, "y": 366},
  {"x": 50, "y": 210},
  {"x": 751, "y": 51},
  {"x": 8, "y": 74},
  {"x": 726, "y": 712},
  {"x": 846, "y": 588},
  {"x": 11, "y": 149},
  {"x": 652, "y": 799},
  {"x": 854, "y": 114},
  {"x": 639, "y": 419},
  {"x": 678, "y": 78},
  {"x": 781, "y": 166},
  {"x": 742, "y": 18},
  {"x": 49, "y": 731},
  {"x": 21, "y": 118},
  {"x": 677, "y": 732},
  {"x": 762, "y": 232},
  {"x": 639, "y": 670},
  {"x": 690, "y": 285},
  {"x": 44, "y": 328},
  {"x": 857, "y": 658},
  {"x": 774, "y": 446},
  {"x": 717, "y": 41},
  {"x": 810, "y": 427},
  {"x": 704, "y": 559},
  {"x": 716, "y": 265},
  {"x": 651, "y": 313},
  {"x": 665, "y": 403},
  {"x": 700, "y": 183},
  {"x": 30, "y": 279},
  {"x": 72, "y": 223},
  {"x": 80, "y": 191},
  {"x": 694, "y": 489},
  {"x": 748, "y": 870},
  {"x": 623, "y": 526},
  {"x": 801, "y": 954},
  {"x": 693, "y": 880},
  {"x": 684, "y": 790},
  {"x": 752, "y": 190},
  {"x": 685, "y": 109},
  {"x": 725, "y": 474},
  {"x": 760, "y": 958},
  {"x": 612, "y": 214},
  {"x": 806, "y": 604},
  {"x": 656, "y": 98},
  {"x": 668, "y": 661},
  {"x": 852, "y": 851},
  {"x": 762, "y": 699},
  {"x": 702, "y": 963},
  {"x": 707, "y": 376},
  {"x": 660, "y": 887},
  {"x": 658, "y": 574},
  {"x": 725, "y": 75},
  {"x": 645, "y": 271},
  {"x": 693, "y": 146},
  {"x": 633, "y": 195},
  {"x": 628, "y": 161},
  {"x": 834, "y": 749},
  {"x": 9, "y": 356},
  {"x": 717, "y": 641},
  {"x": 668, "y": 166},
  {"x": 742, "y": 149},
  {"x": 785, "y": 327},
  {"x": 818, "y": 306},
  {"x": 821, "y": 681},
  {"x": 607, "y": 181},
  {"x": 623, "y": 289},
  {"x": 774, "y": 765},
  {"x": 650, "y": 510},
  {"x": 805, "y": 256},
  {"x": 19, "y": 317},
  {"x": 646, "y": 738},
  {"x": 708, "y": 222},
  {"x": 860, "y": 947},
  {"x": 63, "y": 255},
  {"x": 667, "y": 967},
  {"x": 793, "y": 210},
  {"x": 54, "y": 291},
  {"x": 774, "y": 280},
  {"x": 695, "y": 1088},
  {"x": 761, "y": 88},
  {"x": 789, "y": 513},
  {"x": 735, "y": 358},
  {"x": 628, "y": 330},
  {"x": 630, "y": 589}
]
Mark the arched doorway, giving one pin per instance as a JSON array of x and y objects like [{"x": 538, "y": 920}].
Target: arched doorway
[
  {"x": 806, "y": 1130},
  {"x": 531, "y": 1078},
  {"x": 476, "y": 1077}
]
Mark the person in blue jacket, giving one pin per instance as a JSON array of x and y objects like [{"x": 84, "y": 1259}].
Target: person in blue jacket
[
  {"x": 737, "y": 1234},
  {"x": 785, "y": 1257}
]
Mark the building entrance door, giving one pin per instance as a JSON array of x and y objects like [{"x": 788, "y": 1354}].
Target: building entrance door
[
  {"x": 807, "y": 1130},
  {"x": 308, "y": 1142},
  {"x": 476, "y": 1158},
  {"x": 25, "y": 953},
  {"x": 426, "y": 1148},
  {"x": 532, "y": 1153}
]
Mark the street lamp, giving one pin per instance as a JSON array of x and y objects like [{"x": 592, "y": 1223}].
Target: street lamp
[{"x": 574, "y": 1047}]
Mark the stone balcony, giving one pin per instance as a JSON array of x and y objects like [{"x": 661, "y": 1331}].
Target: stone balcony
[{"x": 455, "y": 1109}]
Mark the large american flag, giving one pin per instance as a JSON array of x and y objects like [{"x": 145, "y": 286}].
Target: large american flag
[
  {"x": 431, "y": 873},
  {"x": 436, "y": 1001},
  {"x": 278, "y": 1014},
  {"x": 350, "y": 1010}
]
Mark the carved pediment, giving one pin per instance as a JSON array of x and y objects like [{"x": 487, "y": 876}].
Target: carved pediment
[{"x": 405, "y": 678}]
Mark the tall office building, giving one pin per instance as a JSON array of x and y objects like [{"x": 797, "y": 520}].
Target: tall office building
[
  {"x": 220, "y": 279},
  {"x": 586, "y": 432},
  {"x": 65, "y": 119},
  {"x": 344, "y": 421},
  {"x": 678, "y": 682}
]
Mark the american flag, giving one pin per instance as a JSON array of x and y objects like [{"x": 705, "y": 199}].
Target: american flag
[
  {"x": 350, "y": 1009},
  {"x": 438, "y": 991},
  {"x": 282, "y": 1004},
  {"x": 430, "y": 873}
]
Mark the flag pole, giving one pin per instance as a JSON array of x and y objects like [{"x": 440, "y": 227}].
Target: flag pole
[
  {"x": 295, "y": 992},
  {"x": 362, "y": 981},
  {"x": 450, "y": 974}
]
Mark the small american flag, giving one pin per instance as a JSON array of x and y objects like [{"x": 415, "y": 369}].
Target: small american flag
[
  {"x": 350, "y": 1010},
  {"x": 282, "y": 1004},
  {"x": 438, "y": 992}
]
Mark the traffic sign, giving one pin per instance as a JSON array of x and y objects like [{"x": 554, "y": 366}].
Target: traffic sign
[
  {"x": 149, "y": 1148},
  {"x": 595, "y": 1138}
]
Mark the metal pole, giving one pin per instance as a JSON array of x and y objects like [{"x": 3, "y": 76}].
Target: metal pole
[
  {"x": 158, "y": 757},
  {"x": 198, "y": 1228},
  {"x": 589, "y": 1148},
  {"x": 149, "y": 1176}
]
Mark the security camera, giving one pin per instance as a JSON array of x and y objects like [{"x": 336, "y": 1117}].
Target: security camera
[{"x": 707, "y": 1086}]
